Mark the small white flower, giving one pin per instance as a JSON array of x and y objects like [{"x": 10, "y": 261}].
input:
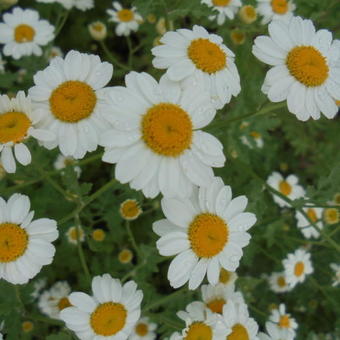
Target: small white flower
[
  {"x": 144, "y": 330},
  {"x": 278, "y": 284},
  {"x": 37, "y": 287},
  {"x": 23, "y": 33},
  {"x": 54, "y": 300},
  {"x": 111, "y": 313},
  {"x": 307, "y": 229},
  {"x": 297, "y": 266},
  {"x": 256, "y": 137},
  {"x": 286, "y": 325},
  {"x": 286, "y": 186},
  {"x": 275, "y": 10},
  {"x": 62, "y": 162},
  {"x": 275, "y": 333},
  {"x": 19, "y": 121},
  {"x": 336, "y": 268},
  {"x": 98, "y": 30},
  {"x": 25, "y": 245},
  {"x": 305, "y": 70},
  {"x": 197, "y": 58},
  {"x": 127, "y": 18},
  {"x": 75, "y": 235},
  {"x": 53, "y": 52},
  {"x": 224, "y": 8},
  {"x": 206, "y": 233}
]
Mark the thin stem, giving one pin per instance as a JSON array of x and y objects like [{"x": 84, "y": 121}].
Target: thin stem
[
  {"x": 258, "y": 311},
  {"x": 45, "y": 319},
  {"x": 128, "y": 40},
  {"x": 164, "y": 300},
  {"x": 53, "y": 183},
  {"x": 132, "y": 238},
  {"x": 61, "y": 24},
  {"x": 177, "y": 325},
  {"x": 18, "y": 296},
  {"x": 112, "y": 58}
]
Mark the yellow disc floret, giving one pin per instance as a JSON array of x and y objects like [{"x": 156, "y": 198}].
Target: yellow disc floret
[
  {"x": 13, "y": 127},
  {"x": 167, "y": 129},
  {"x": 24, "y": 33},
  {"x": 207, "y": 56},
  {"x": 284, "y": 321},
  {"x": 307, "y": 65},
  {"x": 221, "y": 3},
  {"x": 281, "y": 281},
  {"x": 13, "y": 242},
  {"x": 141, "y": 329},
  {"x": 130, "y": 209},
  {"x": 285, "y": 188},
  {"x": 312, "y": 214},
  {"x": 72, "y": 101},
  {"x": 299, "y": 268},
  {"x": 216, "y": 305},
  {"x": 199, "y": 331},
  {"x": 108, "y": 318},
  {"x": 238, "y": 332},
  {"x": 64, "y": 303},
  {"x": 280, "y": 6},
  {"x": 125, "y": 15},
  {"x": 208, "y": 234}
]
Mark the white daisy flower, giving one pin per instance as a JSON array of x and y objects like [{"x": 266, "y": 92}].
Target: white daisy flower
[
  {"x": 23, "y": 33},
  {"x": 224, "y": 8},
  {"x": 82, "y": 5},
  {"x": 284, "y": 322},
  {"x": 275, "y": 10},
  {"x": 70, "y": 93},
  {"x": 97, "y": 30},
  {"x": 336, "y": 268},
  {"x": 274, "y": 333},
  {"x": 37, "y": 287},
  {"x": 256, "y": 137},
  {"x": 315, "y": 215},
  {"x": 110, "y": 314},
  {"x": 2, "y": 64},
  {"x": 62, "y": 162},
  {"x": 25, "y": 245},
  {"x": 128, "y": 19},
  {"x": 156, "y": 140},
  {"x": 195, "y": 57},
  {"x": 144, "y": 330},
  {"x": 54, "y": 300},
  {"x": 75, "y": 235},
  {"x": 236, "y": 318},
  {"x": 53, "y": 52},
  {"x": 226, "y": 277},
  {"x": 18, "y": 121},
  {"x": 304, "y": 67},
  {"x": 201, "y": 323},
  {"x": 278, "y": 283},
  {"x": 297, "y": 266},
  {"x": 215, "y": 297},
  {"x": 286, "y": 186},
  {"x": 206, "y": 233}
]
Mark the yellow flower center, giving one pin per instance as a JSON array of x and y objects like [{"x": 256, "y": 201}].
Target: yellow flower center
[
  {"x": 199, "y": 331},
  {"x": 76, "y": 234},
  {"x": 64, "y": 303},
  {"x": 98, "y": 235},
  {"x": 284, "y": 321},
  {"x": 108, "y": 318},
  {"x": 208, "y": 235},
  {"x": 279, "y": 6},
  {"x": 312, "y": 214},
  {"x": 130, "y": 209},
  {"x": 73, "y": 101},
  {"x": 238, "y": 37},
  {"x": 98, "y": 27},
  {"x": 285, "y": 188},
  {"x": 24, "y": 33},
  {"x": 332, "y": 215},
  {"x": 125, "y": 256},
  {"x": 281, "y": 282},
  {"x": 225, "y": 276},
  {"x": 221, "y": 3},
  {"x": 142, "y": 329},
  {"x": 307, "y": 65},
  {"x": 13, "y": 242},
  {"x": 207, "y": 56},
  {"x": 238, "y": 332},
  {"x": 299, "y": 268},
  {"x": 167, "y": 129},
  {"x": 125, "y": 15},
  {"x": 216, "y": 305},
  {"x": 255, "y": 135},
  {"x": 27, "y": 326},
  {"x": 13, "y": 127}
]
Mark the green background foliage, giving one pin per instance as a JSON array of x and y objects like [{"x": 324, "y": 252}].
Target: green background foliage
[{"x": 308, "y": 149}]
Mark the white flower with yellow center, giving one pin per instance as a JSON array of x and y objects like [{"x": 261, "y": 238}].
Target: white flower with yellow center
[
  {"x": 75, "y": 234},
  {"x": 25, "y": 245},
  {"x": 286, "y": 186},
  {"x": 304, "y": 70},
  {"x": 156, "y": 140},
  {"x": 130, "y": 209},
  {"x": 275, "y": 10},
  {"x": 226, "y": 277},
  {"x": 23, "y": 33},
  {"x": 278, "y": 283},
  {"x": 215, "y": 297},
  {"x": 297, "y": 266},
  {"x": 82, "y": 5},
  {"x": 110, "y": 314},
  {"x": 128, "y": 19},
  {"x": 70, "y": 93},
  {"x": 283, "y": 321},
  {"x": 201, "y": 323},
  {"x": 18, "y": 121},
  {"x": 236, "y": 318},
  {"x": 306, "y": 227},
  {"x": 144, "y": 330},
  {"x": 98, "y": 30},
  {"x": 62, "y": 162},
  {"x": 53, "y": 52},
  {"x": 206, "y": 233},
  {"x": 336, "y": 269},
  {"x": 224, "y": 8},
  {"x": 54, "y": 300},
  {"x": 274, "y": 333},
  {"x": 256, "y": 138},
  {"x": 197, "y": 58}
]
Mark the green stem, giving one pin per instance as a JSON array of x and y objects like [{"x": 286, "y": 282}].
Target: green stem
[
  {"x": 44, "y": 319},
  {"x": 61, "y": 24},
  {"x": 164, "y": 300},
  {"x": 18, "y": 296},
  {"x": 132, "y": 239},
  {"x": 258, "y": 311},
  {"x": 53, "y": 183},
  {"x": 176, "y": 325},
  {"x": 112, "y": 58},
  {"x": 128, "y": 39}
]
